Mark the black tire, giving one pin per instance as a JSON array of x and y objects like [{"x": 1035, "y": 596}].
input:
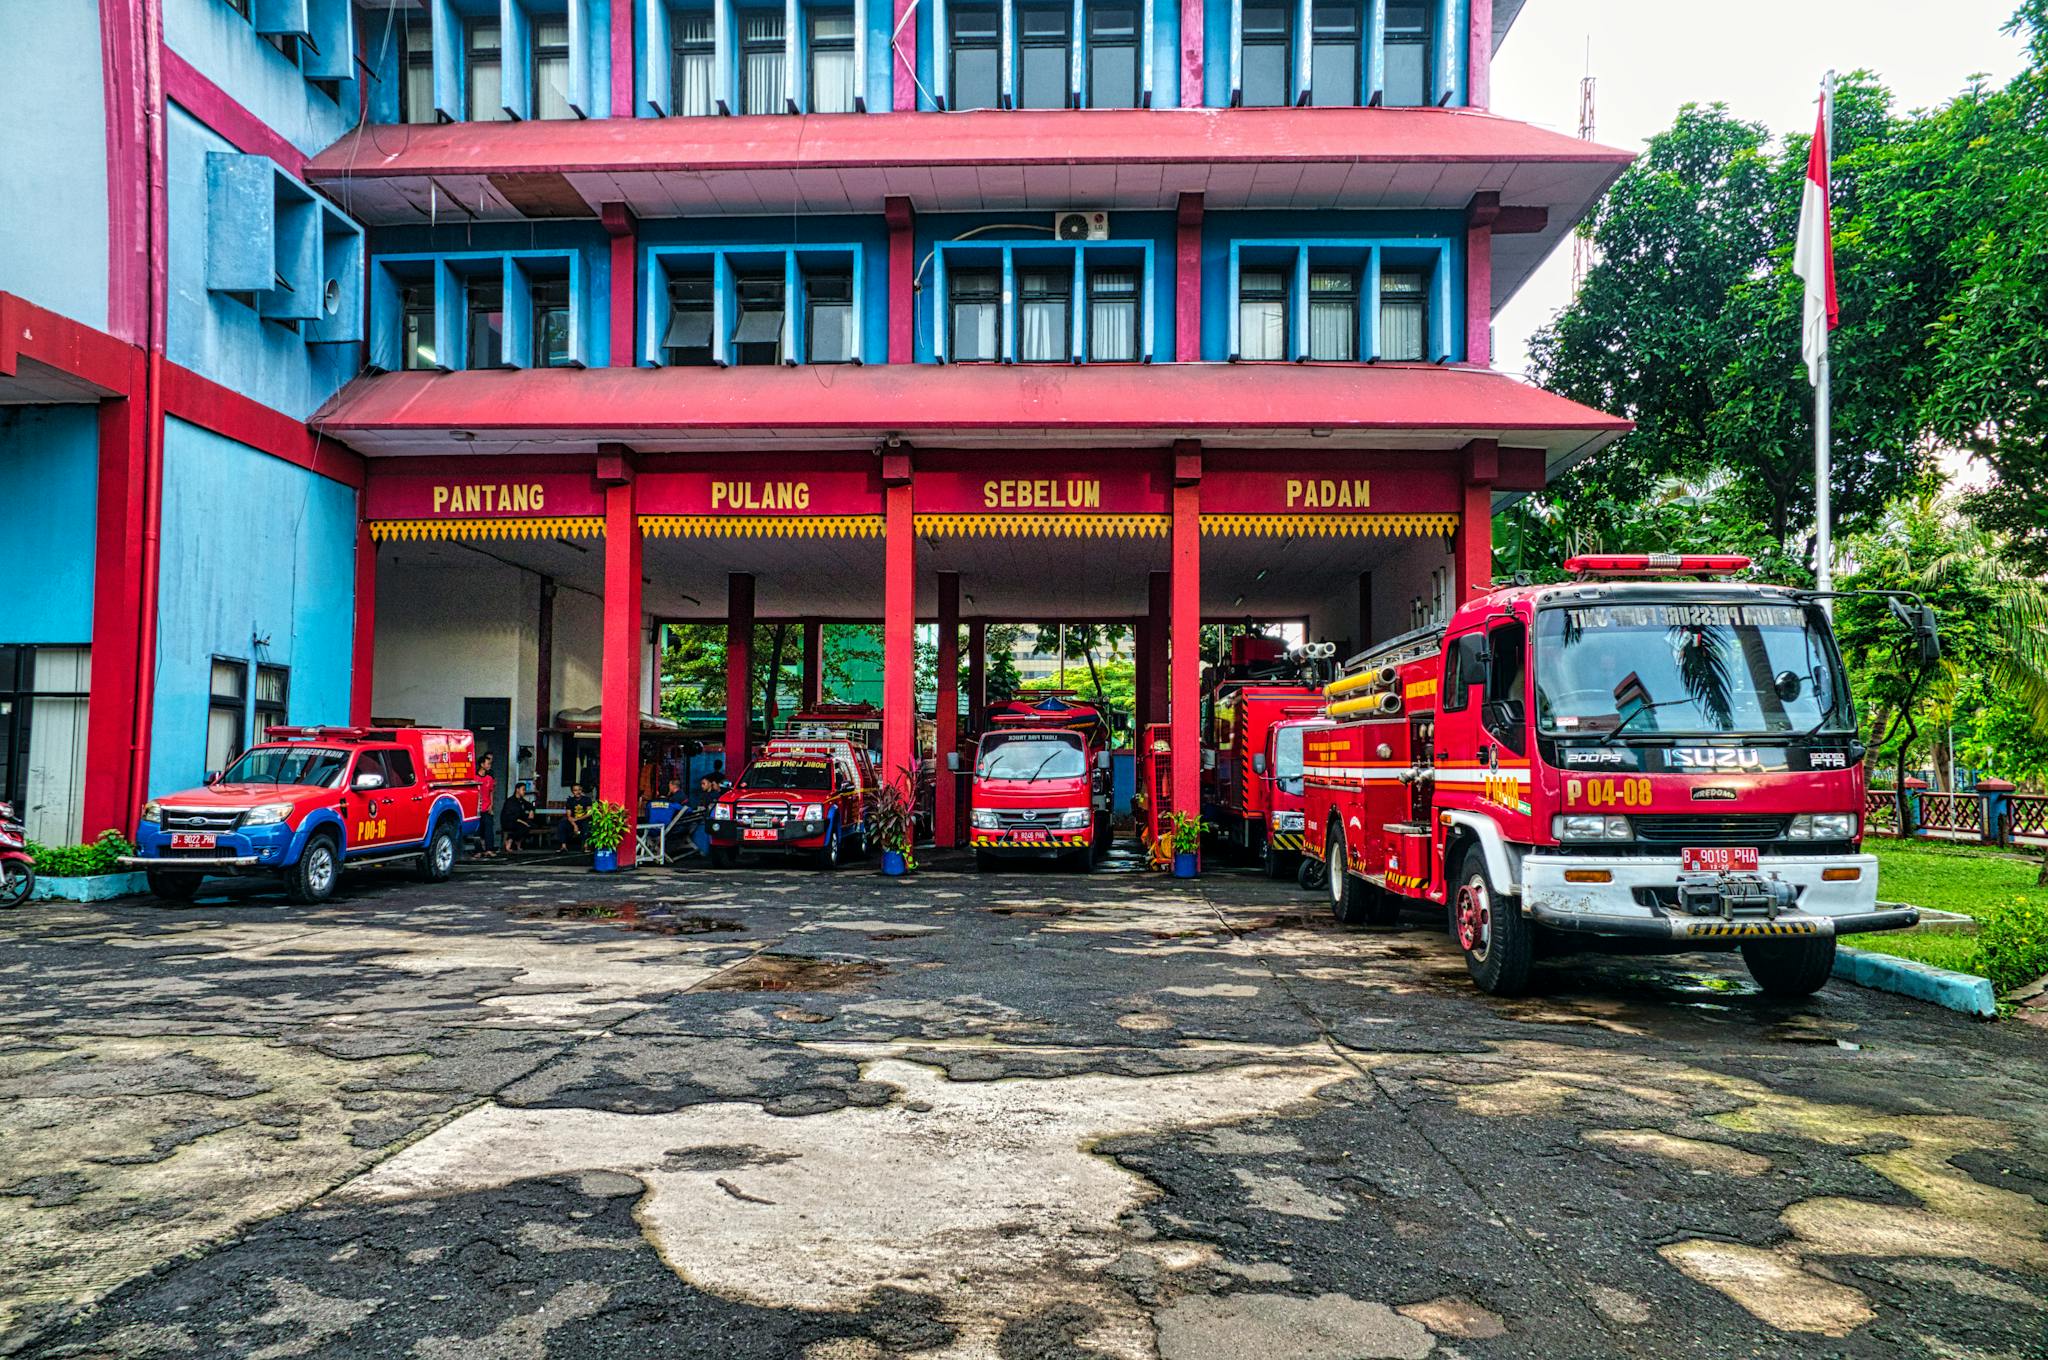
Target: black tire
[
  {"x": 1273, "y": 862},
  {"x": 1348, "y": 897},
  {"x": 17, "y": 881},
  {"x": 313, "y": 878},
  {"x": 724, "y": 857},
  {"x": 1499, "y": 945},
  {"x": 984, "y": 862},
  {"x": 437, "y": 863},
  {"x": 1311, "y": 875},
  {"x": 174, "y": 887},
  {"x": 827, "y": 857},
  {"x": 1790, "y": 968}
]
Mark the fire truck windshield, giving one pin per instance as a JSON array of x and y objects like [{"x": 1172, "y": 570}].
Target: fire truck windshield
[
  {"x": 1031, "y": 755},
  {"x": 788, "y": 774},
  {"x": 315, "y": 766},
  {"x": 1287, "y": 759},
  {"x": 1688, "y": 669}
]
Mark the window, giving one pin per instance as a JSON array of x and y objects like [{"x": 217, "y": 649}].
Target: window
[
  {"x": 757, "y": 334},
  {"x": 695, "y": 58},
  {"x": 1407, "y": 55},
  {"x": 1404, "y": 315},
  {"x": 486, "y": 60},
  {"x": 977, "y": 74},
  {"x": 1462, "y": 670},
  {"x": 1113, "y": 315},
  {"x": 398, "y": 771},
  {"x": 273, "y": 693},
  {"x": 1045, "y": 333},
  {"x": 1332, "y": 314},
  {"x": 977, "y": 309},
  {"x": 551, "y": 69},
  {"x": 42, "y": 737},
  {"x": 1507, "y": 683},
  {"x": 240, "y": 7},
  {"x": 828, "y": 318},
  {"x": 689, "y": 322},
  {"x": 1333, "y": 56},
  {"x": 1267, "y": 71},
  {"x": 551, "y": 323},
  {"x": 419, "y": 325},
  {"x": 834, "y": 81},
  {"x": 416, "y": 81},
  {"x": 485, "y": 303},
  {"x": 1113, "y": 64},
  {"x": 1262, "y": 314},
  {"x": 761, "y": 62},
  {"x": 226, "y": 705},
  {"x": 1042, "y": 54}
]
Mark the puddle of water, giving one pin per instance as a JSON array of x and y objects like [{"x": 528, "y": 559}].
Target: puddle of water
[{"x": 792, "y": 973}]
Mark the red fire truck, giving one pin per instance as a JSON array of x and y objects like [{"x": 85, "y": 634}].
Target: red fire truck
[
  {"x": 1041, "y": 787},
  {"x": 1647, "y": 757},
  {"x": 1262, "y": 686},
  {"x": 805, "y": 795}
]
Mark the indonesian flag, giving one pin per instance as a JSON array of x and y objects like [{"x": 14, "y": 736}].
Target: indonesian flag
[{"x": 1814, "y": 259}]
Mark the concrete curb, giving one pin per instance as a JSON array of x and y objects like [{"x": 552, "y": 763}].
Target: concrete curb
[
  {"x": 1963, "y": 992},
  {"x": 96, "y": 888}
]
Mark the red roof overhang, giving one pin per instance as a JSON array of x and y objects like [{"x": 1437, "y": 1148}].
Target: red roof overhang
[{"x": 1386, "y": 406}]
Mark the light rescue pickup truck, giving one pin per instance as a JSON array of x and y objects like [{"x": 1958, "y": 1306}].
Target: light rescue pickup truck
[
  {"x": 307, "y": 801},
  {"x": 806, "y": 795}
]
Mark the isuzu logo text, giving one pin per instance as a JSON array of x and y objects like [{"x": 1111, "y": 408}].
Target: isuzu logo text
[{"x": 1715, "y": 758}]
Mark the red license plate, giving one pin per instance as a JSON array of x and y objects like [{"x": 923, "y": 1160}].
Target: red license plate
[
  {"x": 1718, "y": 859},
  {"x": 193, "y": 840},
  {"x": 1029, "y": 833},
  {"x": 759, "y": 833}
]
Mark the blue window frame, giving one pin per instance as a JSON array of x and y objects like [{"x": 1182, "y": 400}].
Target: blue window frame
[
  {"x": 282, "y": 249},
  {"x": 1337, "y": 301},
  {"x": 753, "y": 56},
  {"x": 463, "y": 62},
  {"x": 1043, "y": 301},
  {"x": 1395, "y": 53},
  {"x": 735, "y": 305},
  {"x": 479, "y": 309},
  {"x": 1043, "y": 53},
  {"x": 319, "y": 36}
]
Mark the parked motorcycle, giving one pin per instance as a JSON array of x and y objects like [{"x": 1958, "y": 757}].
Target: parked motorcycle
[{"x": 17, "y": 870}]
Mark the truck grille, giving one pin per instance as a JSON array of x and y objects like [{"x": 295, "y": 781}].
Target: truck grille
[
  {"x": 187, "y": 819},
  {"x": 1007, "y": 818},
  {"x": 758, "y": 815},
  {"x": 1684, "y": 829}
]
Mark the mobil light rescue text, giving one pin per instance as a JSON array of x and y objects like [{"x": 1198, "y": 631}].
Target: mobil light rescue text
[
  {"x": 1042, "y": 493},
  {"x": 489, "y": 498},
  {"x": 1328, "y": 493}
]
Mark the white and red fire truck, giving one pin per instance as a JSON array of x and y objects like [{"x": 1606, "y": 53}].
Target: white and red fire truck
[
  {"x": 1648, "y": 756},
  {"x": 1246, "y": 743}
]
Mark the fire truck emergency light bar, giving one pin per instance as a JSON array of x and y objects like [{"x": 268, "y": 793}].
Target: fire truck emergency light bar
[{"x": 1656, "y": 564}]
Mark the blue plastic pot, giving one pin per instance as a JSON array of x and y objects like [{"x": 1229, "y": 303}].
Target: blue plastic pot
[
  {"x": 1183, "y": 864},
  {"x": 892, "y": 863},
  {"x": 605, "y": 861}
]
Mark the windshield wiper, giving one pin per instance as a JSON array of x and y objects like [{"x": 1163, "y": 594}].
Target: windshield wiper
[{"x": 1607, "y": 739}]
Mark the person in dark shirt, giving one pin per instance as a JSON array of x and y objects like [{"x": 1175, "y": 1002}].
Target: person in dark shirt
[
  {"x": 518, "y": 818},
  {"x": 574, "y": 823}
]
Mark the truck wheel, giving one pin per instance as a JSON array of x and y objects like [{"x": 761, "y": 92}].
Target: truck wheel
[
  {"x": 724, "y": 857},
  {"x": 984, "y": 862},
  {"x": 1488, "y": 926},
  {"x": 1310, "y": 876},
  {"x": 174, "y": 887},
  {"x": 1347, "y": 894},
  {"x": 1273, "y": 862},
  {"x": 1790, "y": 968},
  {"x": 437, "y": 865},
  {"x": 313, "y": 877},
  {"x": 827, "y": 858}
]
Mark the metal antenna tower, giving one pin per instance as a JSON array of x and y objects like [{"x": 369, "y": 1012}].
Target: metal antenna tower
[{"x": 1582, "y": 238}]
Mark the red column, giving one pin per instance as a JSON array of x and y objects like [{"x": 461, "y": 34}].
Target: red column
[
  {"x": 902, "y": 280},
  {"x": 814, "y": 664},
  {"x": 1187, "y": 280},
  {"x": 977, "y": 673},
  {"x": 624, "y": 230},
  {"x": 111, "y": 775},
  {"x": 903, "y": 60},
  {"x": 1185, "y": 627},
  {"x": 1141, "y": 658},
  {"x": 1479, "y": 56},
  {"x": 362, "y": 681},
  {"x": 1191, "y": 54},
  {"x": 1472, "y": 544},
  {"x": 1158, "y": 603},
  {"x": 622, "y": 59},
  {"x": 739, "y": 670},
  {"x": 944, "y": 808},
  {"x": 899, "y": 623},
  {"x": 618, "y": 742},
  {"x": 1480, "y": 217}
]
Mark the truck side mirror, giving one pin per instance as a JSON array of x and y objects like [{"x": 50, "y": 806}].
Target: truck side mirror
[
  {"x": 1259, "y": 763},
  {"x": 212, "y": 777},
  {"x": 953, "y": 761},
  {"x": 366, "y": 782},
  {"x": 1208, "y": 759},
  {"x": 1102, "y": 761}
]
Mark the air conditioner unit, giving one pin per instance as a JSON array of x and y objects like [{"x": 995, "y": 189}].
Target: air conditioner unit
[{"x": 1076, "y": 225}]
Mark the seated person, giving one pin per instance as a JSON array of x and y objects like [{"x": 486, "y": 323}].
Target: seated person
[
  {"x": 574, "y": 823},
  {"x": 515, "y": 820},
  {"x": 667, "y": 806}
]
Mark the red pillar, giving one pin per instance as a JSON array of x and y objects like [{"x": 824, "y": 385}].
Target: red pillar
[
  {"x": 899, "y": 624},
  {"x": 618, "y": 742},
  {"x": 1480, "y": 217},
  {"x": 814, "y": 664},
  {"x": 624, "y": 230},
  {"x": 739, "y": 670},
  {"x": 1159, "y": 596},
  {"x": 1185, "y": 627},
  {"x": 1187, "y": 280},
  {"x": 1141, "y": 658},
  {"x": 944, "y": 807},
  {"x": 622, "y": 60},
  {"x": 1479, "y": 56},
  {"x": 903, "y": 63},
  {"x": 902, "y": 280},
  {"x": 111, "y": 758},
  {"x": 977, "y": 673},
  {"x": 1472, "y": 544},
  {"x": 362, "y": 681},
  {"x": 1191, "y": 54}
]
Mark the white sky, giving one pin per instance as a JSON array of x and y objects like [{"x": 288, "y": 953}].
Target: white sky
[{"x": 1762, "y": 58}]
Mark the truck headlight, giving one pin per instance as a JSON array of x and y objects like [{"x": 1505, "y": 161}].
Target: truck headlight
[
  {"x": 1822, "y": 826},
  {"x": 152, "y": 811},
  {"x": 267, "y": 814},
  {"x": 1074, "y": 819},
  {"x": 1580, "y": 826},
  {"x": 814, "y": 812},
  {"x": 983, "y": 819},
  {"x": 720, "y": 812}
]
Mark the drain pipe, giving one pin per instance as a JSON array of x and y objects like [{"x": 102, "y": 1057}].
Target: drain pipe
[{"x": 152, "y": 402}]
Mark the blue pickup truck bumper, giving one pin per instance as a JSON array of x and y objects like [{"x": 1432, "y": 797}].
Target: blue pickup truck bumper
[{"x": 259, "y": 849}]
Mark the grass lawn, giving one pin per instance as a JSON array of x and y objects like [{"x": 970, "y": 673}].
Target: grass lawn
[
  {"x": 1959, "y": 953},
  {"x": 1963, "y": 878}
]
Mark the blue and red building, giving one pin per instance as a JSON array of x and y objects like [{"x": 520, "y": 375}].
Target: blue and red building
[{"x": 417, "y": 361}]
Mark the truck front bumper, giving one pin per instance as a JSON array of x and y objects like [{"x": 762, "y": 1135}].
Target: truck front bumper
[
  {"x": 729, "y": 835},
  {"x": 1639, "y": 898},
  {"x": 246, "y": 848}
]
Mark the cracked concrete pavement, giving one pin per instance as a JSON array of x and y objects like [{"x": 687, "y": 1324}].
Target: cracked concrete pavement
[{"x": 1030, "y": 1117}]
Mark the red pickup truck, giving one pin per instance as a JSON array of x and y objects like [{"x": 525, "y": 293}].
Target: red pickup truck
[{"x": 806, "y": 795}]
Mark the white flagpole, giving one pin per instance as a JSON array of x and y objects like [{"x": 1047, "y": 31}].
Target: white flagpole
[{"x": 1823, "y": 552}]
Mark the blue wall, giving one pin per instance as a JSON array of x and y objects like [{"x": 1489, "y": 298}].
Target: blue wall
[
  {"x": 49, "y": 474},
  {"x": 226, "y": 50},
  {"x": 251, "y": 545},
  {"x": 53, "y": 158}
]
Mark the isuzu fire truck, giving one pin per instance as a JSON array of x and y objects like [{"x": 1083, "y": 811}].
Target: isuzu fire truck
[
  {"x": 307, "y": 801},
  {"x": 806, "y": 794},
  {"x": 1646, "y": 757},
  {"x": 1262, "y": 686},
  {"x": 1041, "y": 787}
]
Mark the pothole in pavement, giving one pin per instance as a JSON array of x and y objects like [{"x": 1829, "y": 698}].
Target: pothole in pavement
[
  {"x": 654, "y": 918},
  {"x": 792, "y": 973}
]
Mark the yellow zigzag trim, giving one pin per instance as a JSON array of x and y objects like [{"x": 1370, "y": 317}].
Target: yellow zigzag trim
[
  {"x": 560, "y": 526},
  {"x": 761, "y": 526},
  {"x": 1329, "y": 526},
  {"x": 1057, "y": 526}
]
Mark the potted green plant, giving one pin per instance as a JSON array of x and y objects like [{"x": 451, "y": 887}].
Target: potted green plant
[
  {"x": 1187, "y": 843},
  {"x": 608, "y": 831},
  {"x": 891, "y": 822}
]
